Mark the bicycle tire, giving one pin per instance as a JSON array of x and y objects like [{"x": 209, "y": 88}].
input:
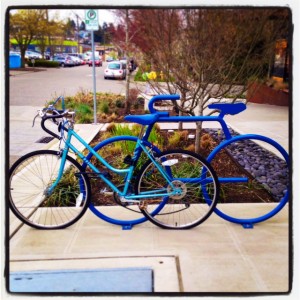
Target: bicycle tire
[
  {"x": 131, "y": 214},
  {"x": 189, "y": 208},
  {"x": 30, "y": 179},
  {"x": 260, "y": 211}
]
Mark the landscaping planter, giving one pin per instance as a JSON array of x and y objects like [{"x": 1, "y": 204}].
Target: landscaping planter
[{"x": 263, "y": 94}]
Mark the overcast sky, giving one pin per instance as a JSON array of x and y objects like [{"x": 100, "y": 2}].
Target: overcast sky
[{"x": 104, "y": 15}]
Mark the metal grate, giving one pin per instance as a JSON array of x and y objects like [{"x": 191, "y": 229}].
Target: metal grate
[{"x": 45, "y": 139}]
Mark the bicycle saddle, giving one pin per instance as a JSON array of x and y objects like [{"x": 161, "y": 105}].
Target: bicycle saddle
[
  {"x": 228, "y": 108},
  {"x": 142, "y": 119}
]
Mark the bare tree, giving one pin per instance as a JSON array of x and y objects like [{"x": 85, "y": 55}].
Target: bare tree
[
  {"x": 122, "y": 37},
  {"x": 206, "y": 54}
]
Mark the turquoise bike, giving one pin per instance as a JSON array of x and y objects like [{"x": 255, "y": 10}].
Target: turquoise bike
[{"x": 175, "y": 189}]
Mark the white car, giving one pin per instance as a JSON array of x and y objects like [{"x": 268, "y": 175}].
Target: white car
[
  {"x": 115, "y": 69},
  {"x": 33, "y": 55}
]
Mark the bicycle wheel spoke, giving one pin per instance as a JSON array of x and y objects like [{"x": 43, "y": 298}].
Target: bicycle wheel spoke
[
  {"x": 35, "y": 200},
  {"x": 185, "y": 205}
]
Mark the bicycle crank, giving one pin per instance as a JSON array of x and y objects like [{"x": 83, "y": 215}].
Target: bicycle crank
[{"x": 180, "y": 189}]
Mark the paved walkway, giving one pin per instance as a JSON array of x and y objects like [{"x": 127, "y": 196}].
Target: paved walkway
[{"x": 215, "y": 257}]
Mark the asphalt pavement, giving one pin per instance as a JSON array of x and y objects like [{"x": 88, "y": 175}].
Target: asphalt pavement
[
  {"x": 215, "y": 257},
  {"x": 35, "y": 88}
]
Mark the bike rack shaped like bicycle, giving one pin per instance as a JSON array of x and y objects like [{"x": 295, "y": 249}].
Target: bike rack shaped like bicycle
[{"x": 164, "y": 117}]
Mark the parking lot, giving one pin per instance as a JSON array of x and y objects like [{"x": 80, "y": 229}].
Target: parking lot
[
  {"x": 30, "y": 90},
  {"x": 35, "y": 88}
]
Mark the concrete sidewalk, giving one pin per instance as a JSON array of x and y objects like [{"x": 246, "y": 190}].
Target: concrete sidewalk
[{"x": 217, "y": 256}]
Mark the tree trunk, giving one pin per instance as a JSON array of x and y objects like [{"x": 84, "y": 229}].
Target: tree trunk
[
  {"x": 198, "y": 136},
  {"x": 180, "y": 124},
  {"x": 22, "y": 51},
  {"x": 198, "y": 129}
]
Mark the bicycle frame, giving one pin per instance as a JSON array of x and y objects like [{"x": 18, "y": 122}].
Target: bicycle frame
[{"x": 128, "y": 172}]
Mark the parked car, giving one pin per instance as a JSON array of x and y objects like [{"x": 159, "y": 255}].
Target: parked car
[
  {"x": 64, "y": 61},
  {"x": 12, "y": 52},
  {"x": 132, "y": 64},
  {"x": 98, "y": 62},
  {"x": 82, "y": 57},
  {"x": 115, "y": 69},
  {"x": 77, "y": 59},
  {"x": 88, "y": 55},
  {"x": 32, "y": 55},
  {"x": 109, "y": 59},
  {"x": 47, "y": 55}
]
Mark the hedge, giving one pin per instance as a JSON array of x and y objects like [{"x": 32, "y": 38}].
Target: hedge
[{"x": 44, "y": 63}]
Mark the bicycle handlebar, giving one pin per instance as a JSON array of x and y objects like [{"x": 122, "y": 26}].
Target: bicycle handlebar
[
  {"x": 56, "y": 114},
  {"x": 161, "y": 97},
  {"x": 45, "y": 118}
]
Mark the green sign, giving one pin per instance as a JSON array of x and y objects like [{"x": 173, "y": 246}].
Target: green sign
[{"x": 91, "y": 19}]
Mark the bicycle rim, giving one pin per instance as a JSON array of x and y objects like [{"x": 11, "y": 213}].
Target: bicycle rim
[
  {"x": 30, "y": 198},
  {"x": 265, "y": 168},
  {"x": 192, "y": 175}
]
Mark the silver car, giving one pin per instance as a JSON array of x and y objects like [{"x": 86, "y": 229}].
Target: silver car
[{"x": 64, "y": 61}]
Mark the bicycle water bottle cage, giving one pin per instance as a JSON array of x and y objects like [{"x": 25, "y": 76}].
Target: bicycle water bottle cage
[
  {"x": 228, "y": 108},
  {"x": 148, "y": 119}
]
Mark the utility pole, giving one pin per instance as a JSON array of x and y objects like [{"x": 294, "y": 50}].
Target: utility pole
[{"x": 77, "y": 27}]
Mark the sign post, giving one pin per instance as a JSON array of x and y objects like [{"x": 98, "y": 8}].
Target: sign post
[{"x": 92, "y": 24}]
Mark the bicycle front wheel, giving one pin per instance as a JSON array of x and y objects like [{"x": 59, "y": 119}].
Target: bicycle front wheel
[
  {"x": 38, "y": 200},
  {"x": 191, "y": 175}
]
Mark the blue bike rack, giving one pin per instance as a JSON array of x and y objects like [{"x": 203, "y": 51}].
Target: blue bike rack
[{"x": 224, "y": 109}]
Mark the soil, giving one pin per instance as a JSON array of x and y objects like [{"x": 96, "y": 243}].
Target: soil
[{"x": 223, "y": 164}]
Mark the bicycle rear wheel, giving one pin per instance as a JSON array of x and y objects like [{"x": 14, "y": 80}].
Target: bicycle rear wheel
[
  {"x": 256, "y": 185},
  {"x": 192, "y": 176},
  {"x": 30, "y": 200}
]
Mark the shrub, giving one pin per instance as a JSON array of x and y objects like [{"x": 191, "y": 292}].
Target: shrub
[
  {"x": 139, "y": 76},
  {"x": 119, "y": 103},
  {"x": 111, "y": 127},
  {"x": 174, "y": 139},
  {"x": 104, "y": 107},
  {"x": 84, "y": 113},
  {"x": 177, "y": 138},
  {"x": 205, "y": 141},
  {"x": 190, "y": 148},
  {"x": 43, "y": 63}
]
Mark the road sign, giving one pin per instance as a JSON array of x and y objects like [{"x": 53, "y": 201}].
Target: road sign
[{"x": 91, "y": 19}]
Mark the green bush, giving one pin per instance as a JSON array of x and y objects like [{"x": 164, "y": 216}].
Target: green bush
[
  {"x": 139, "y": 76},
  {"x": 44, "y": 63},
  {"x": 84, "y": 113},
  {"x": 104, "y": 107},
  {"x": 120, "y": 103}
]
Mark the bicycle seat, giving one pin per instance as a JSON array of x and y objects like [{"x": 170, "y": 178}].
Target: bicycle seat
[
  {"x": 142, "y": 119},
  {"x": 228, "y": 108}
]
